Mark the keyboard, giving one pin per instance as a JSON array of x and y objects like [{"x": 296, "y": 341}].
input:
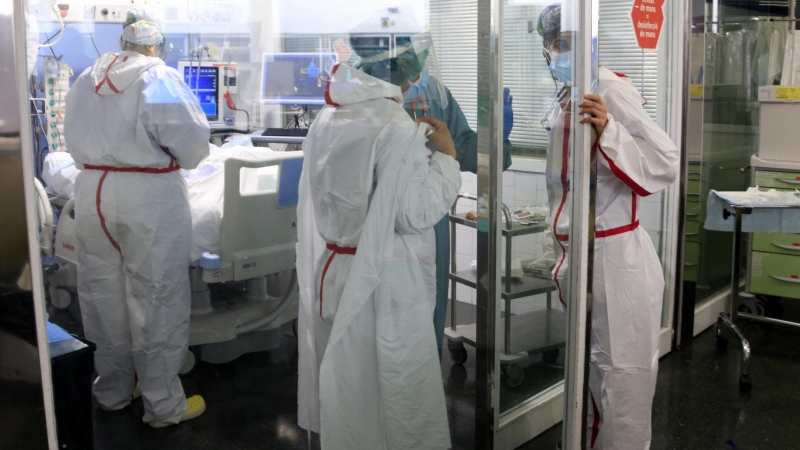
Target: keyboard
[{"x": 286, "y": 132}]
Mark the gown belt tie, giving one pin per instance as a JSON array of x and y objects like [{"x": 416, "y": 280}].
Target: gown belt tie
[
  {"x": 173, "y": 167},
  {"x": 335, "y": 250}
]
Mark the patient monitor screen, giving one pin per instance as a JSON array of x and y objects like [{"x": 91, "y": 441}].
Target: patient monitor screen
[
  {"x": 204, "y": 82},
  {"x": 296, "y": 78}
]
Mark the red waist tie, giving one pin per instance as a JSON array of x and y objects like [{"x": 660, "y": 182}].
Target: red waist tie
[
  {"x": 173, "y": 166},
  {"x": 335, "y": 250}
]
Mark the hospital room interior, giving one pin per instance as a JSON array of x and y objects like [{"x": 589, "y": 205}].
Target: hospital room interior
[{"x": 588, "y": 235}]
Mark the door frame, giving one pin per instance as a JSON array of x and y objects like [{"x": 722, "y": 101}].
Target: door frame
[
  {"x": 565, "y": 399},
  {"x": 19, "y": 78},
  {"x": 674, "y": 89}
]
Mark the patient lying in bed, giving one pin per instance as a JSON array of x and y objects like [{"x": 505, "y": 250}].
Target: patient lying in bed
[{"x": 206, "y": 186}]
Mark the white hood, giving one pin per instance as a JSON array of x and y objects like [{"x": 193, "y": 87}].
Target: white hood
[
  {"x": 348, "y": 86},
  {"x": 113, "y": 72}
]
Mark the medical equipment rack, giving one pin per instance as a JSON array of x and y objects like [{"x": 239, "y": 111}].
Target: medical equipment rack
[
  {"x": 525, "y": 335},
  {"x": 730, "y": 318}
]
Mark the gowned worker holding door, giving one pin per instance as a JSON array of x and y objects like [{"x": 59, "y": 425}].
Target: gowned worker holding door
[{"x": 635, "y": 158}]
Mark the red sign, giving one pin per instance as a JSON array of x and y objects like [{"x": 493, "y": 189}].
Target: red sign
[{"x": 647, "y": 17}]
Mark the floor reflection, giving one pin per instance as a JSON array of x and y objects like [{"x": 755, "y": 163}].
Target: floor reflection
[{"x": 252, "y": 401}]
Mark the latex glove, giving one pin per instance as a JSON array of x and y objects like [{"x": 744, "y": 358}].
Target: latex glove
[{"x": 508, "y": 113}]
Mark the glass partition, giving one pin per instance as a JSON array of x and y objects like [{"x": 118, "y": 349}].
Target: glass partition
[
  {"x": 526, "y": 221},
  {"x": 651, "y": 73},
  {"x": 734, "y": 52},
  {"x": 191, "y": 270},
  {"x": 215, "y": 238}
]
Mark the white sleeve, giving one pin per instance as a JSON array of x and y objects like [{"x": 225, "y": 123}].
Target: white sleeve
[
  {"x": 633, "y": 147},
  {"x": 429, "y": 195},
  {"x": 171, "y": 115}
]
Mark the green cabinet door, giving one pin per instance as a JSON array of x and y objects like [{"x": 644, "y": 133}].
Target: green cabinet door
[
  {"x": 779, "y": 180},
  {"x": 775, "y": 274},
  {"x": 783, "y": 243},
  {"x": 691, "y": 261}
]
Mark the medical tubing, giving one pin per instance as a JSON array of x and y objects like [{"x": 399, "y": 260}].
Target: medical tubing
[
  {"x": 54, "y": 7},
  {"x": 246, "y": 113},
  {"x": 285, "y": 301}
]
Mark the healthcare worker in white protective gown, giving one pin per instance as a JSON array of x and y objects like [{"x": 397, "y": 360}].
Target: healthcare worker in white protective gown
[
  {"x": 635, "y": 158},
  {"x": 417, "y": 73},
  {"x": 370, "y": 193},
  {"x": 131, "y": 124}
]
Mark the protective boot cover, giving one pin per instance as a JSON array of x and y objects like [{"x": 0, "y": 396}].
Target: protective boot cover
[
  {"x": 635, "y": 159},
  {"x": 369, "y": 372}
]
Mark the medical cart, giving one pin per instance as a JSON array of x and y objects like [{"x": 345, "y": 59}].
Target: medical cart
[
  {"x": 525, "y": 335},
  {"x": 774, "y": 263}
]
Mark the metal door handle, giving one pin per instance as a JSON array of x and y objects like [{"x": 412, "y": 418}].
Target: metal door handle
[
  {"x": 787, "y": 279},
  {"x": 692, "y": 214},
  {"x": 689, "y": 264},
  {"x": 787, "y": 247},
  {"x": 788, "y": 181}
]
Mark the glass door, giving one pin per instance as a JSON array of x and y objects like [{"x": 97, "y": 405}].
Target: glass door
[
  {"x": 533, "y": 230},
  {"x": 734, "y": 52}
]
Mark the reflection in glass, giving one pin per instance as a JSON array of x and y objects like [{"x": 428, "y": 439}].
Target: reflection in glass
[
  {"x": 734, "y": 51},
  {"x": 259, "y": 72}
]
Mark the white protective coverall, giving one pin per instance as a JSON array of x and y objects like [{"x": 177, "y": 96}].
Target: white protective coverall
[
  {"x": 369, "y": 375},
  {"x": 635, "y": 158},
  {"x": 130, "y": 125}
]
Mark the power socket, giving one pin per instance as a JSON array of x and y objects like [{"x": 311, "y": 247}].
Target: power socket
[{"x": 110, "y": 13}]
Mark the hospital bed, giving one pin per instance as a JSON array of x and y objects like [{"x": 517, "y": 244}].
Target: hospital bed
[
  {"x": 254, "y": 263},
  {"x": 60, "y": 275}
]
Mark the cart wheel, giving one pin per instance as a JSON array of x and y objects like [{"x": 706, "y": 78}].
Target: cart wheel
[
  {"x": 65, "y": 296},
  {"x": 550, "y": 357},
  {"x": 458, "y": 353},
  {"x": 745, "y": 383},
  {"x": 752, "y": 307},
  {"x": 191, "y": 361},
  {"x": 294, "y": 327},
  {"x": 513, "y": 375},
  {"x": 722, "y": 343}
]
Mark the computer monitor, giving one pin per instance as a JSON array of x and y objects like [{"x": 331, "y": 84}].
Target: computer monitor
[
  {"x": 296, "y": 78},
  {"x": 204, "y": 82}
]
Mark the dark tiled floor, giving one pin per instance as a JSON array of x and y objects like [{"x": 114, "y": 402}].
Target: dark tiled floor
[
  {"x": 252, "y": 401},
  {"x": 698, "y": 405}
]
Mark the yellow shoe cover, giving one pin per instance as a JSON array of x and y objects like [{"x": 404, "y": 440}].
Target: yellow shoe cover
[{"x": 197, "y": 406}]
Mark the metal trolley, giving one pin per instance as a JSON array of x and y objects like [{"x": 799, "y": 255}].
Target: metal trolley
[{"x": 525, "y": 335}]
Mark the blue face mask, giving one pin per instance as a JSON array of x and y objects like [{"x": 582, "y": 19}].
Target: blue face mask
[
  {"x": 417, "y": 88},
  {"x": 561, "y": 66}
]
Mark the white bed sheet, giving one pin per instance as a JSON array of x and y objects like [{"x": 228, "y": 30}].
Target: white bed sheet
[{"x": 206, "y": 185}]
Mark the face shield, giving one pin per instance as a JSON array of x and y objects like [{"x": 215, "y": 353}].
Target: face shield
[
  {"x": 558, "y": 27},
  {"x": 556, "y": 42},
  {"x": 391, "y": 48}
]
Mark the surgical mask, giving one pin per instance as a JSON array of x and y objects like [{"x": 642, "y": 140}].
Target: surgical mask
[
  {"x": 398, "y": 71},
  {"x": 561, "y": 66},
  {"x": 417, "y": 88},
  {"x": 406, "y": 67}
]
